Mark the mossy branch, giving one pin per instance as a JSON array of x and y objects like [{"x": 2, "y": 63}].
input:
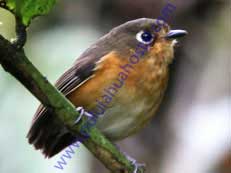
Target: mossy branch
[{"x": 14, "y": 61}]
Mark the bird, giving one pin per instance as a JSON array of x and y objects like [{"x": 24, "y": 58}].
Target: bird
[{"x": 121, "y": 79}]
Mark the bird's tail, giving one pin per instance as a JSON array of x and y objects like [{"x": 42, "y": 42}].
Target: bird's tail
[{"x": 48, "y": 134}]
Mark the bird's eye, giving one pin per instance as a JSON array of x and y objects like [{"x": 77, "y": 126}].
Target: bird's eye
[{"x": 144, "y": 37}]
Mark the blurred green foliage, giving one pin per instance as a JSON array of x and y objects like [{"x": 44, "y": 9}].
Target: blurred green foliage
[{"x": 26, "y": 10}]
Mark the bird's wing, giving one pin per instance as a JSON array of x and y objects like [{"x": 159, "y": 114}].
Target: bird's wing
[
  {"x": 71, "y": 79},
  {"x": 81, "y": 71}
]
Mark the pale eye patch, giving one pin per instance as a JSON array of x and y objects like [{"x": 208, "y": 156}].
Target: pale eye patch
[{"x": 144, "y": 37}]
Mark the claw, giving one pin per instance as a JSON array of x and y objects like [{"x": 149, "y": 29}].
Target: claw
[
  {"x": 135, "y": 163},
  {"x": 82, "y": 112},
  {"x": 137, "y": 166}
]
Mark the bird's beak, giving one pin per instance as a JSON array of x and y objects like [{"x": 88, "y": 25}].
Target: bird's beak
[{"x": 173, "y": 34}]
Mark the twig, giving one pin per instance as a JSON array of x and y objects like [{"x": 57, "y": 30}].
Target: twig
[{"x": 21, "y": 34}]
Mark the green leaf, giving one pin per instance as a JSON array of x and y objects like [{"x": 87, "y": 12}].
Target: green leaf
[{"x": 26, "y": 10}]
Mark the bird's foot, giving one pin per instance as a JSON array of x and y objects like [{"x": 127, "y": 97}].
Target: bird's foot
[
  {"x": 82, "y": 113},
  {"x": 135, "y": 163}
]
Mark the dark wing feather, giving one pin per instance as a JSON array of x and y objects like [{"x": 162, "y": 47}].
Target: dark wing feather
[
  {"x": 82, "y": 68},
  {"x": 74, "y": 76}
]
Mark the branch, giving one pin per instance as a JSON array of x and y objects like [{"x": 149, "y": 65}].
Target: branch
[
  {"x": 21, "y": 35},
  {"x": 14, "y": 61}
]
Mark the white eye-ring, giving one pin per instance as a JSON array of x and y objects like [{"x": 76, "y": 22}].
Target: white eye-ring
[{"x": 144, "y": 37}]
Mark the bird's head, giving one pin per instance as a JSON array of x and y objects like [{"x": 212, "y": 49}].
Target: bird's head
[{"x": 146, "y": 38}]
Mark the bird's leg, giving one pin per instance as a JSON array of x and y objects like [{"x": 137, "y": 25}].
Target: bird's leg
[
  {"x": 132, "y": 160},
  {"x": 82, "y": 113},
  {"x": 134, "y": 163}
]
